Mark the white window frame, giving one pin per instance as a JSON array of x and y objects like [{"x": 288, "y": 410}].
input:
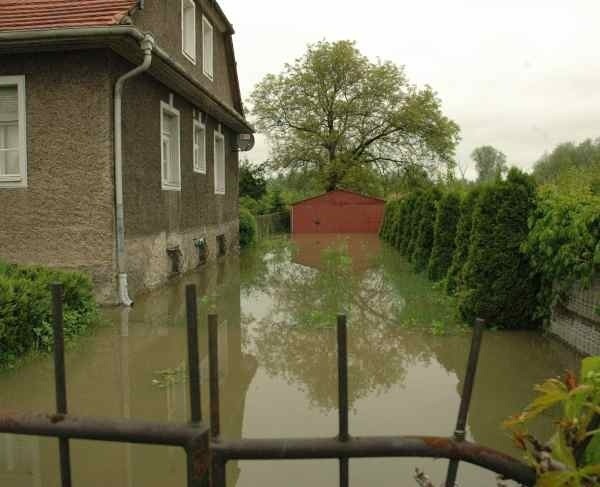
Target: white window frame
[
  {"x": 190, "y": 53},
  {"x": 172, "y": 111},
  {"x": 221, "y": 137},
  {"x": 199, "y": 165},
  {"x": 18, "y": 181},
  {"x": 208, "y": 57}
]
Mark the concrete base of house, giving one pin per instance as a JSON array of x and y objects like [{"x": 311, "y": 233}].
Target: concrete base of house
[{"x": 154, "y": 260}]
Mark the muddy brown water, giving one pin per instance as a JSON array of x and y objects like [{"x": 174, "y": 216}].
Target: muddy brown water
[{"x": 276, "y": 304}]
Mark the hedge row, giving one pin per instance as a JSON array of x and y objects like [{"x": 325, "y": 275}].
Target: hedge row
[{"x": 473, "y": 241}]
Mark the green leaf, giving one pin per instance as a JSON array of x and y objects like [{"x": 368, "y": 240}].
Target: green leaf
[
  {"x": 561, "y": 451},
  {"x": 592, "y": 452},
  {"x": 556, "y": 479},
  {"x": 589, "y": 365}
]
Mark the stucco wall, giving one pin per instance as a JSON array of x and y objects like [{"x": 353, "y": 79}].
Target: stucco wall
[
  {"x": 156, "y": 219},
  {"x": 64, "y": 218},
  {"x": 163, "y": 19}
]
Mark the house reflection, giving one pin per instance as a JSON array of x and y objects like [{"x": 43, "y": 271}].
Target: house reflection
[{"x": 112, "y": 375}]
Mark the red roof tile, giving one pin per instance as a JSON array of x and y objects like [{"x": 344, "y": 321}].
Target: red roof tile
[{"x": 46, "y": 14}]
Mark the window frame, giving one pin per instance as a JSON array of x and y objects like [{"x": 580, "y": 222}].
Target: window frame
[
  {"x": 172, "y": 111},
  {"x": 198, "y": 168},
  {"x": 221, "y": 137},
  {"x": 208, "y": 73},
  {"x": 191, "y": 56},
  {"x": 19, "y": 181}
]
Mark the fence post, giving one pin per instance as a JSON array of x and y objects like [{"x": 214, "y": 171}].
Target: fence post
[
  {"x": 60, "y": 383},
  {"x": 465, "y": 401},
  {"x": 342, "y": 348}
]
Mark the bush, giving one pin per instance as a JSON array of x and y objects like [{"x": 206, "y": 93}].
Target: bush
[
  {"x": 409, "y": 245},
  {"x": 564, "y": 240},
  {"x": 247, "y": 228},
  {"x": 401, "y": 227},
  {"x": 389, "y": 219},
  {"x": 409, "y": 209},
  {"x": 444, "y": 236},
  {"x": 462, "y": 242},
  {"x": 26, "y": 308},
  {"x": 499, "y": 283},
  {"x": 424, "y": 240}
]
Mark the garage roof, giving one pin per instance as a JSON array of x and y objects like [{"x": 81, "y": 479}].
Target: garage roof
[{"x": 46, "y": 14}]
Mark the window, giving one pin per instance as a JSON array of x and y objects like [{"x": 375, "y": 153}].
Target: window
[
  {"x": 207, "y": 47},
  {"x": 199, "y": 147},
  {"x": 219, "y": 153},
  {"x": 188, "y": 29},
  {"x": 170, "y": 149},
  {"x": 13, "y": 150}
]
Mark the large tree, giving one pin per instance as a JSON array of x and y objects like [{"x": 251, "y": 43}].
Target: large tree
[
  {"x": 338, "y": 114},
  {"x": 489, "y": 162}
]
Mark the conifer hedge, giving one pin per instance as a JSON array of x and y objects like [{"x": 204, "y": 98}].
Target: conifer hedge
[
  {"x": 444, "y": 236},
  {"x": 498, "y": 281},
  {"x": 413, "y": 230},
  {"x": 462, "y": 241},
  {"x": 405, "y": 236},
  {"x": 426, "y": 222}
]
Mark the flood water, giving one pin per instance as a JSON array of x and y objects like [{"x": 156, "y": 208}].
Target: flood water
[{"x": 277, "y": 306}]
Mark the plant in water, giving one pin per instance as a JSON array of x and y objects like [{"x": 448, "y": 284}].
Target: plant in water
[
  {"x": 571, "y": 456},
  {"x": 169, "y": 377}
]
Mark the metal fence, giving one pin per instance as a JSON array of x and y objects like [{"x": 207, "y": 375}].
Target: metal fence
[{"x": 208, "y": 452}]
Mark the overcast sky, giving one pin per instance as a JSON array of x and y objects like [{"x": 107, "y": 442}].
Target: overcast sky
[{"x": 522, "y": 76}]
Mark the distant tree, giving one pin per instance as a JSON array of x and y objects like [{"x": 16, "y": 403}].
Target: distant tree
[
  {"x": 333, "y": 111},
  {"x": 583, "y": 157},
  {"x": 489, "y": 162},
  {"x": 252, "y": 181}
]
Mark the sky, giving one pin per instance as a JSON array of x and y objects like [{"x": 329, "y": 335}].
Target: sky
[{"x": 522, "y": 76}]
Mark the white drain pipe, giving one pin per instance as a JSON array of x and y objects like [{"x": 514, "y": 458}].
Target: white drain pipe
[{"x": 147, "y": 45}]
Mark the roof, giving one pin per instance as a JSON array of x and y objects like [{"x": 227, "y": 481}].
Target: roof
[
  {"x": 339, "y": 191},
  {"x": 45, "y": 14}
]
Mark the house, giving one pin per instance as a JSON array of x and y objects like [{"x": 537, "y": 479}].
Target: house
[
  {"x": 337, "y": 211},
  {"x": 120, "y": 126}
]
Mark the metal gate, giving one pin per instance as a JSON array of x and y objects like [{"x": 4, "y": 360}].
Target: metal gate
[{"x": 208, "y": 452}]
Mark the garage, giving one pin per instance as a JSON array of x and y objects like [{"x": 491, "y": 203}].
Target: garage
[{"x": 338, "y": 211}]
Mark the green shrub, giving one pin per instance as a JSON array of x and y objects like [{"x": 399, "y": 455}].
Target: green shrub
[
  {"x": 424, "y": 240},
  {"x": 463, "y": 241},
  {"x": 405, "y": 236},
  {"x": 413, "y": 231},
  {"x": 247, "y": 228},
  {"x": 498, "y": 279},
  {"x": 389, "y": 219},
  {"x": 26, "y": 308},
  {"x": 564, "y": 240},
  {"x": 444, "y": 236}
]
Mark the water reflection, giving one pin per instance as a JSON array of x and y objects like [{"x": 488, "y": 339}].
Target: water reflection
[{"x": 277, "y": 305}]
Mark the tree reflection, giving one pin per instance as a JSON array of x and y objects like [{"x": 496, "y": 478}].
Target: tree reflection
[{"x": 297, "y": 339}]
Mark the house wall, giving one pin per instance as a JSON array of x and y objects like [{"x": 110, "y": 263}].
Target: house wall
[
  {"x": 64, "y": 218},
  {"x": 156, "y": 219},
  {"x": 163, "y": 19}
]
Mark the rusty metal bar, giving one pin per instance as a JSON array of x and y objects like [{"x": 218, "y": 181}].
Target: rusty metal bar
[
  {"x": 213, "y": 354},
  {"x": 60, "y": 382},
  {"x": 467, "y": 394},
  {"x": 193, "y": 354},
  {"x": 196, "y": 469},
  {"x": 375, "y": 447},
  {"x": 342, "y": 365},
  {"x": 101, "y": 429}
]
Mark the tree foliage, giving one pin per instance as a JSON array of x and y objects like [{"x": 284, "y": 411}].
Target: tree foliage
[
  {"x": 566, "y": 157},
  {"x": 564, "y": 239},
  {"x": 337, "y": 113},
  {"x": 500, "y": 285},
  {"x": 462, "y": 241},
  {"x": 489, "y": 162},
  {"x": 424, "y": 240},
  {"x": 444, "y": 236},
  {"x": 247, "y": 228},
  {"x": 252, "y": 181}
]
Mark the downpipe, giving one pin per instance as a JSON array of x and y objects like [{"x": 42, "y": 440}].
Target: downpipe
[{"x": 146, "y": 44}]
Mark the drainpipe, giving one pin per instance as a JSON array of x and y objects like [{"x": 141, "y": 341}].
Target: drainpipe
[{"x": 146, "y": 44}]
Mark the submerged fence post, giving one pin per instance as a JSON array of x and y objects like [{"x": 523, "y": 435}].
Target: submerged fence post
[
  {"x": 60, "y": 383},
  {"x": 342, "y": 353},
  {"x": 194, "y": 477},
  {"x": 465, "y": 401},
  {"x": 218, "y": 465}
]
